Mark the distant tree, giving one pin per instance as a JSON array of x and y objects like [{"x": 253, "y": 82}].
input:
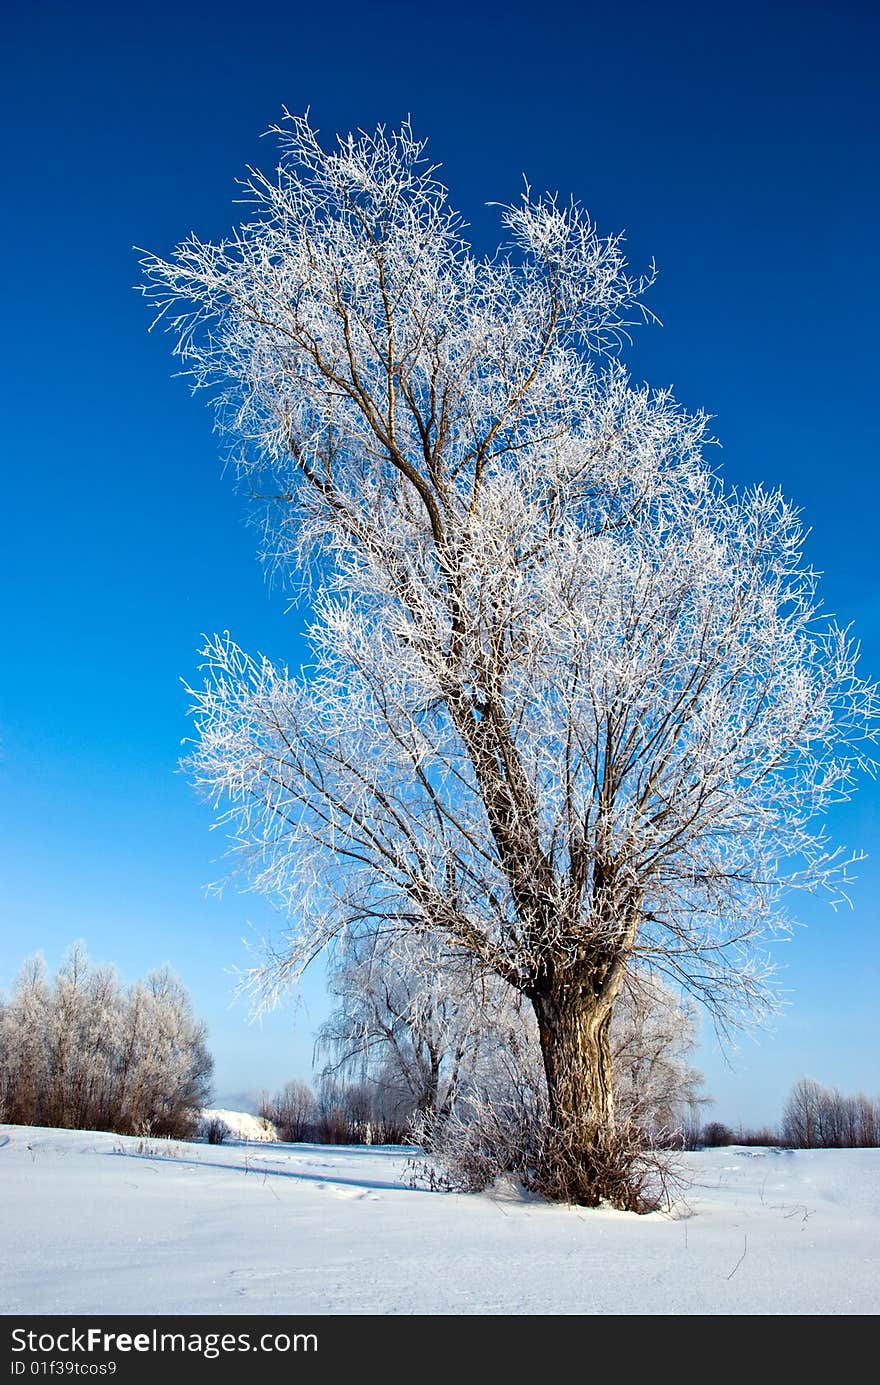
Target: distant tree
[
  {"x": 803, "y": 1118},
  {"x": 761, "y": 1136},
  {"x": 411, "y": 1019},
  {"x": 867, "y": 1121},
  {"x": 84, "y": 1053},
  {"x": 653, "y": 1035},
  {"x": 342, "y": 1112},
  {"x": 172, "y": 1075},
  {"x": 715, "y": 1133},
  {"x": 570, "y": 702},
  {"x": 291, "y": 1111}
]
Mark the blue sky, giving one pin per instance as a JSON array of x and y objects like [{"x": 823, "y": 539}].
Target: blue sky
[{"x": 735, "y": 144}]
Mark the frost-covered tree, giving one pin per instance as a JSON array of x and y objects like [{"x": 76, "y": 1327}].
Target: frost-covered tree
[
  {"x": 411, "y": 1019},
  {"x": 653, "y": 1036},
  {"x": 569, "y": 700},
  {"x": 500, "y": 1119}
]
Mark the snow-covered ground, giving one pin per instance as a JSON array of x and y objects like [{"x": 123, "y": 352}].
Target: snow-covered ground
[{"x": 95, "y": 1223}]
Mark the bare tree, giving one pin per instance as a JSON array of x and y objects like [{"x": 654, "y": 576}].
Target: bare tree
[
  {"x": 570, "y": 702},
  {"x": 867, "y": 1120},
  {"x": 291, "y": 1111},
  {"x": 817, "y": 1117}
]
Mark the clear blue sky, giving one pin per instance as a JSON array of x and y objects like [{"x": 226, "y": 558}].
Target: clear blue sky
[{"x": 736, "y": 144}]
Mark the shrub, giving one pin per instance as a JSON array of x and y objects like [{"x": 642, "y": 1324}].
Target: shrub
[
  {"x": 715, "y": 1134},
  {"x": 214, "y": 1130},
  {"x": 485, "y": 1138}
]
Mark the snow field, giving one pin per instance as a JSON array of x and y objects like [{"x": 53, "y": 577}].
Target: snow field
[{"x": 99, "y": 1223}]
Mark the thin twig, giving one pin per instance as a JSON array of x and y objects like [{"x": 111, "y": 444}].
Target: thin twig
[{"x": 741, "y": 1258}]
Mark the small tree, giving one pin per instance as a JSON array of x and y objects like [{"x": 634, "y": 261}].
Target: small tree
[
  {"x": 570, "y": 702},
  {"x": 653, "y": 1036},
  {"x": 715, "y": 1133}
]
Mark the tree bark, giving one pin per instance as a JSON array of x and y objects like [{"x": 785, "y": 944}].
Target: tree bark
[{"x": 573, "y": 1024}]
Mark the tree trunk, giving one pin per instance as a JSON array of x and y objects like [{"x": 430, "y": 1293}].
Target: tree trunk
[{"x": 573, "y": 1027}]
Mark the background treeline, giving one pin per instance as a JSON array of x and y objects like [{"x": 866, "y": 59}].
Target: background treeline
[
  {"x": 814, "y": 1117},
  {"x": 84, "y": 1052},
  {"x": 338, "y": 1113}
]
